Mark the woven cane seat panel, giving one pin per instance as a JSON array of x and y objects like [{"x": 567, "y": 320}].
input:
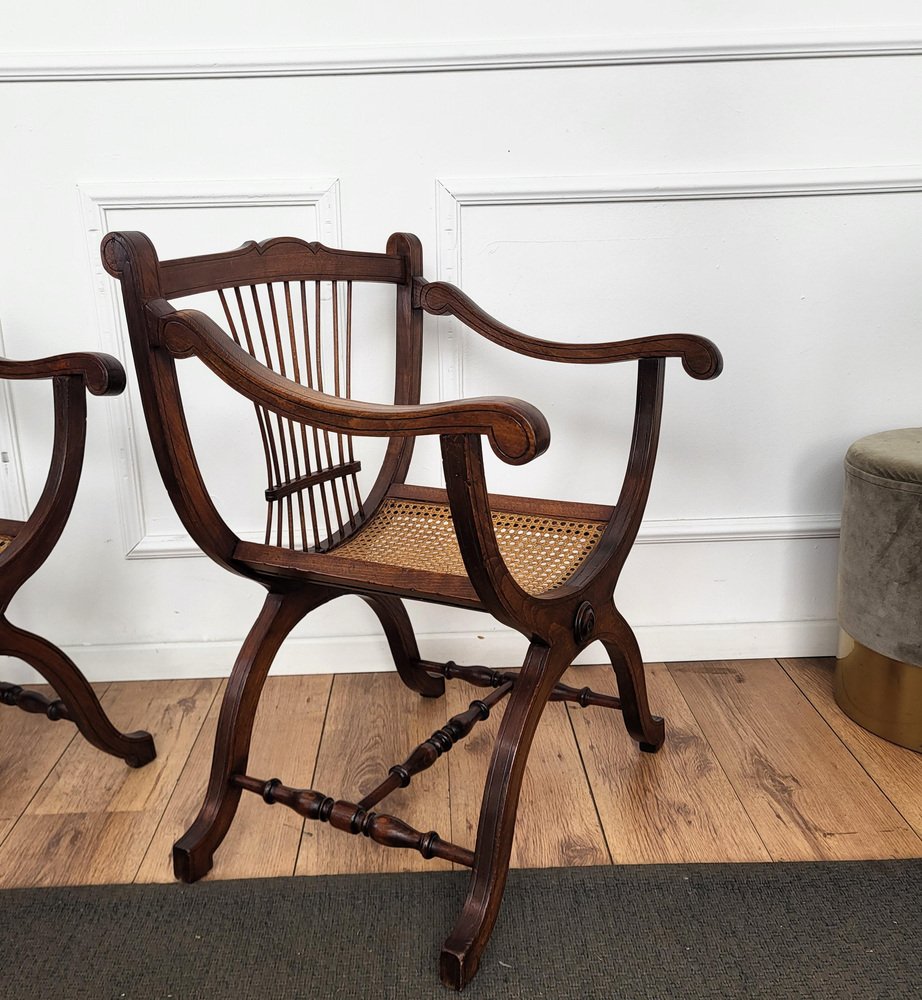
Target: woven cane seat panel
[
  {"x": 541, "y": 552},
  {"x": 4, "y": 541}
]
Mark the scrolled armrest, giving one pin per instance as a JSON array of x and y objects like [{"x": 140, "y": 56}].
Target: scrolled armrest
[
  {"x": 517, "y": 431},
  {"x": 700, "y": 358},
  {"x": 103, "y": 374}
]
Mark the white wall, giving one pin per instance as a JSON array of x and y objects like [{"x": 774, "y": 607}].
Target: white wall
[{"x": 750, "y": 172}]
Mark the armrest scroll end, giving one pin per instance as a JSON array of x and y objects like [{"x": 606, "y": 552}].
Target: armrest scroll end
[
  {"x": 519, "y": 431},
  {"x": 105, "y": 375},
  {"x": 702, "y": 358}
]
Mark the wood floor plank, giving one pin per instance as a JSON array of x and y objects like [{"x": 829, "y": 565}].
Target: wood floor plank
[
  {"x": 93, "y": 818},
  {"x": 263, "y": 841},
  {"x": 184, "y": 802},
  {"x": 373, "y": 722},
  {"x": 807, "y": 776},
  {"x": 896, "y": 770},
  {"x": 557, "y": 825},
  {"x": 674, "y": 806},
  {"x": 807, "y": 796},
  {"x": 92, "y": 848},
  {"x": 30, "y": 746}
]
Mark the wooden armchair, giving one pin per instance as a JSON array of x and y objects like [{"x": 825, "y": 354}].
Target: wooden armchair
[
  {"x": 547, "y": 569},
  {"x": 25, "y": 545}
]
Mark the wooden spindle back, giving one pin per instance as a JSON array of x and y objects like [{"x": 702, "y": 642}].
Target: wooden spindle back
[
  {"x": 303, "y": 331},
  {"x": 289, "y": 304}
]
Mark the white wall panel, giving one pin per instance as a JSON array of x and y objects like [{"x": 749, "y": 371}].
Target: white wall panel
[
  {"x": 759, "y": 265},
  {"x": 732, "y": 174},
  {"x": 184, "y": 219},
  {"x": 12, "y": 486}
]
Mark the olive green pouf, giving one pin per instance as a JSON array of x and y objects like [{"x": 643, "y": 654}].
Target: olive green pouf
[{"x": 879, "y": 666}]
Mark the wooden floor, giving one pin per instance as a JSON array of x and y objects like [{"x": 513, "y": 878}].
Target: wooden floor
[{"x": 759, "y": 765}]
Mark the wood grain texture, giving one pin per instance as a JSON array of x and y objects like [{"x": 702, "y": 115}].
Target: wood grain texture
[
  {"x": 373, "y": 722},
  {"x": 807, "y": 796},
  {"x": 184, "y": 801},
  {"x": 93, "y": 818},
  {"x": 276, "y": 259},
  {"x": 29, "y": 748},
  {"x": 675, "y": 806},
  {"x": 651, "y": 820},
  {"x": 517, "y": 430},
  {"x": 90, "y": 848},
  {"x": 554, "y": 786},
  {"x": 896, "y": 770},
  {"x": 263, "y": 841},
  {"x": 102, "y": 374},
  {"x": 700, "y": 357}
]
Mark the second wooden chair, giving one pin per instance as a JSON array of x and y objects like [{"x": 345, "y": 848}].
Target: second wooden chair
[{"x": 25, "y": 545}]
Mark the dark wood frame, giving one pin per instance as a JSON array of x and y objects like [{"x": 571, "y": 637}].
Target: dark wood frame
[
  {"x": 558, "y": 624},
  {"x": 33, "y": 541}
]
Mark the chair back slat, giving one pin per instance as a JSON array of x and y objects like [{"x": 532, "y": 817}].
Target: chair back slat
[
  {"x": 282, "y": 259},
  {"x": 305, "y": 334},
  {"x": 349, "y": 444},
  {"x": 302, "y": 434}
]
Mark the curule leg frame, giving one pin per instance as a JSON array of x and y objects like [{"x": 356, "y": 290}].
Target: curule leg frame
[
  {"x": 76, "y": 699},
  {"x": 193, "y": 853}
]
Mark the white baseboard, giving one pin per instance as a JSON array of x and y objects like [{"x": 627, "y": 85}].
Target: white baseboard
[{"x": 500, "y": 648}]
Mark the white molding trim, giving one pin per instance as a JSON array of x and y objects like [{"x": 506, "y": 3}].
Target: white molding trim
[
  {"x": 448, "y": 206},
  {"x": 433, "y": 57},
  {"x": 12, "y": 483},
  {"x": 711, "y": 186},
  {"x": 98, "y": 199},
  {"x": 739, "y": 529},
  {"x": 659, "y": 532},
  {"x": 455, "y": 194},
  {"x": 500, "y": 647}
]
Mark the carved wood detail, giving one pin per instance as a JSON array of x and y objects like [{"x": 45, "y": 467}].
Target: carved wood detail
[
  {"x": 440, "y": 742},
  {"x": 32, "y": 701},
  {"x": 487, "y": 677},
  {"x": 389, "y": 831}
]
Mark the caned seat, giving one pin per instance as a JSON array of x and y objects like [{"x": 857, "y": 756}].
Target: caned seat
[
  {"x": 25, "y": 545},
  {"x": 412, "y": 533},
  {"x": 283, "y": 340},
  {"x": 542, "y": 544}
]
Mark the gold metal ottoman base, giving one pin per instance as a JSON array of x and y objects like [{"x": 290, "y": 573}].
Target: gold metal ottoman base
[{"x": 881, "y": 694}]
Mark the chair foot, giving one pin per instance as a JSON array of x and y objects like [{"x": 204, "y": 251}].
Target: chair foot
[
  {"x": 460, "y": 956},
  {"x": 454, "y": 971},
  {"x": 657, "y": 720},
  {"x": 79, "y": 698},
  {"x": 145, "y": 751},
  {"x": 189, "y": 864},
  {"x": 396, "y": 622},
  {"x": 193, "y": 853}
]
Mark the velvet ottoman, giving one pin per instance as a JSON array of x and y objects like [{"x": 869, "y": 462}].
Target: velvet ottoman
[{"x": 879, "y": 666}]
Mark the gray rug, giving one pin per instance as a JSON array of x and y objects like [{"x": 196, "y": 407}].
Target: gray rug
[{"x": 844, "y": 930}]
